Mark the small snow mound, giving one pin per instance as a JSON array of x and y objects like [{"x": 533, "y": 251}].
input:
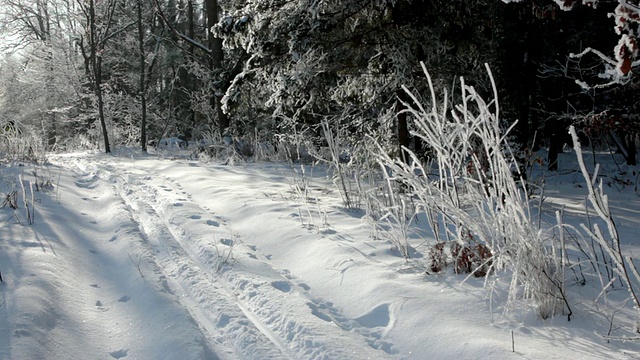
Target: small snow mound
[{"x": 377, "y": 317}]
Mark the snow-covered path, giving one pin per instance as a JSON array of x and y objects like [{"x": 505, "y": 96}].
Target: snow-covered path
[{"x": 146, "y": 258}]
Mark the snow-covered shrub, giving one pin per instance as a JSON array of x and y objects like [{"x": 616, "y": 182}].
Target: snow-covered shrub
[
  {"x": 476, "y": 200},
  {"x": 19, "y": 143}
]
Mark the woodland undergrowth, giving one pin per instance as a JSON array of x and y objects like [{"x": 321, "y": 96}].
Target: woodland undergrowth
[{"x": 466, "y": 204}]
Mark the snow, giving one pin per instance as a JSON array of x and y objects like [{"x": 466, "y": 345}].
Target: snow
[{"x": 137, "y": 256}]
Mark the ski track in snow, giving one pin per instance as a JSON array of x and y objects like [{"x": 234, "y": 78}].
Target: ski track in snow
[{"x": 259, "y": 313}]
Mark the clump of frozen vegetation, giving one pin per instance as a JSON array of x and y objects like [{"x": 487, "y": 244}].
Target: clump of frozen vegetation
[
  {"x": 20, "y": 143},
  {"x": 475, "y": 201}
]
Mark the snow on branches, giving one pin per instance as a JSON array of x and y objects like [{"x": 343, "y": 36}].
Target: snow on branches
[
  {"x": 619, "y": 67},
  {"x": 627, "y": 18}
]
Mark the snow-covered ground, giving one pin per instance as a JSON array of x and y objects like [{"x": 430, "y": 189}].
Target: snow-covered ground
[{"x": 143, "y": 257}]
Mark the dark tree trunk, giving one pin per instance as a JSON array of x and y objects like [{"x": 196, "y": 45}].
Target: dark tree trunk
[
  {"x": 631, "y": 159},
  {"x": 143, "y": 98},
  {"x": 217, "y": 56},
  {"x": 403, "y": 129},
  {"x": 103, "y": 123},
  {"x": 629, "y": 143},
  {"x": 190, "y": 82},
  {"x": 190, "y": 26},
  {"x": 96, "y": 62},
  {"x": 555, "y": 147}
]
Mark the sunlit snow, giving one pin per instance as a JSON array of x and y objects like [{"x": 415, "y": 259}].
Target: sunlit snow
[{"x": 143, "y": 257}]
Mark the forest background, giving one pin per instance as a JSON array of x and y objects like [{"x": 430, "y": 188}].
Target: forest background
[{"x": 103, "y": 73}]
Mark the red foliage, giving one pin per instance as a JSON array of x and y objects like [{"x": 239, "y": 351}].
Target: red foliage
[
  {"x": 625, "y": 67},
  {"x": 437, "y": 256},
  {"x": 602, "y": 123},
  {"x": 467, "y": 259}
]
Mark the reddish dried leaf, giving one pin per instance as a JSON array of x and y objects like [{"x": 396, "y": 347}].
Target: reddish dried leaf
[{"x": 625, "y": 67}]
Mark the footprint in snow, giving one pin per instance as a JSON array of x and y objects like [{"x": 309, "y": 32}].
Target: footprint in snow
[
  {"x": 94, "y": 285},
  {"x": 124, "y": 299},
  {"x": 21, "y": 333},
  {"x": 223, "y": 320},
  {"x": 100, "y": 306},
  {"x": 119, "y": 354},
  {"x": 283, "y": 286},
  {"x": 304, "y": 286},
  {"x": 195, "y": 217},
  {"x": 316, "y": 311},
  {"x": 213, "y": 223}
]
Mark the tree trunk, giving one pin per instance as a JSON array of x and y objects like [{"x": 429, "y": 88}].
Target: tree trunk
[
  {"x": 190, "y": 26},
  {"x": 403, "y": 129},
  {"x": 96, "y": 62},
  {"x": 631, "y": 160},
  {"x": 44, "y": 34},
  {"x": 143, "y": 98},
  {"x": 629, "y": 143},
  {"x": 555, "y": 147},
  {"x": 217, "y": 56},
  {"x": 103, "y": 123}
]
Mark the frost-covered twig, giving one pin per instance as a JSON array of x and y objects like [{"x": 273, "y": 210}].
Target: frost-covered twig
[
  {"x": 333, "y": 142},
  {"x": 25, "y": 199},
  {"x": 600, "y": 203},
  {"x": 137, "y": 264}
]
